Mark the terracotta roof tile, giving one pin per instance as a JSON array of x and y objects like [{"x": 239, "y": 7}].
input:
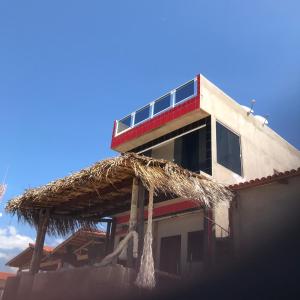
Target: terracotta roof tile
[
  {"x": 5, "y": 275},
  {"x": 46, "y": 248},
  {"x": 265, "y": 180}
]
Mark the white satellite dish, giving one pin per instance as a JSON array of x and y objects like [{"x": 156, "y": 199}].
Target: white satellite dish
[{"x": 262, "y": 119}]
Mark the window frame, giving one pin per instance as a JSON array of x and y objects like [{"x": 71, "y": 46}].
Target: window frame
[
  {"x": 117, "y": 125},
  {"x": 149, "y": 116},
  {"x": 165, "y": 109},
  {"x": 240, "y": 144},
  {"x": 151, "y": 106},
  {"x": 187, "y": 98}
]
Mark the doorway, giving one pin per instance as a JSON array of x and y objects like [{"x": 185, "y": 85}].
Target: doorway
[{"x": 170, "y": 252}]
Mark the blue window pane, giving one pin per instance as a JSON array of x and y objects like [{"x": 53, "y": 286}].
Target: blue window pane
[
  {"x": 162, "y": 103},
  {"x": 124, "y": 124},
  {"x": 142, "y": 114},
  {"x": 185, "y": 91}
]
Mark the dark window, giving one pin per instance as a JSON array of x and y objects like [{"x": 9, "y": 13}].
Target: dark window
[
  {"x": 195, "y": 246},
  {"x": 162, "y": 103},
  {"x": 170, "y": 249},
  {"x": 147, "y": 153},
  {"x": 142, "y": 114},
  {"x": 185, "y": 91},
  {"x": 228, "y": 149},
  {"x": 124, "y": 123},
  {"x": 190, "y": 150},
  {"x": 204, "y": 149}
]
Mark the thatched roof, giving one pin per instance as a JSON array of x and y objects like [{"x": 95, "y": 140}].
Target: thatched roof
[{"x": 103, "y": 189}]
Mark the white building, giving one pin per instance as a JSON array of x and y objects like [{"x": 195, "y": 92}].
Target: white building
[{"x": 204, "y": 130}]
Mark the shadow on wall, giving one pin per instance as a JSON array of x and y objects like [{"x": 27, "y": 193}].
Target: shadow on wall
[{"x": 268, "y": 272}]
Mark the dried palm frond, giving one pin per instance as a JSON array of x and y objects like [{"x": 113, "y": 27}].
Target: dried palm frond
[{"x": 81, "y": 198}]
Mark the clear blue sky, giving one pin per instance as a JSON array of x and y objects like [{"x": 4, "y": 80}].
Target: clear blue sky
[{"x": 69, "y": 68}]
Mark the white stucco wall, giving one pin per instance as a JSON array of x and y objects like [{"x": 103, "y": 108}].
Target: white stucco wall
[
  {"x": 263, "y": 150},
  {"x": 261, "y": 214},
  {"x": 179, "y": 224}
]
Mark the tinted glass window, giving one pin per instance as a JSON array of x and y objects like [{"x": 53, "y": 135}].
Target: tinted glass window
[
  {"x": 228, "y": 149},
  {"x": 192, "y": 151},
  {"x": 184, "y": 91},
  {"x": 195, "y": 246},
  {"x": 124, "y": 123},
  {"x": 147, "y": 153},
  {"x": 142, "y": 114},
  {"x": 162, "y": 103}
]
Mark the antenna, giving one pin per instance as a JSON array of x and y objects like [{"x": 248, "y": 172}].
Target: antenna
[{"x": 253, "y": 101}]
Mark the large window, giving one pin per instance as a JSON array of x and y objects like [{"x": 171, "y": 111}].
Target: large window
[
  {"x": 190, "y": 151},
  {"x": 189, "y": 146},
  {"x": 195, "y": 246},
  {"x": 228, "y": 149}
]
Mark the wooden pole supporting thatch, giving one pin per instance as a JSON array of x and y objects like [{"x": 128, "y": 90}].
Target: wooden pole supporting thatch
[
  {"x": 107, "y": 237},
  {"x": 140, "y": 222},
  {"x": 39, "y": 242},
  {"x": 146, "y": 275},
  {"x": 132, "y": 219},
  {"x": 112, "y": 235},
  {"x": 209, "y": 237}
]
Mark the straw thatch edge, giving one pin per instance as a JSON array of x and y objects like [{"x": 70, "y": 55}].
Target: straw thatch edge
[{"x": 165, "y": 176}]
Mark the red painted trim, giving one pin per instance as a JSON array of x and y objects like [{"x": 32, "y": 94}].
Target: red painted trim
[
  {"x": 172, "y": 114},
  {"x": 114, "y": 130},
  {"x": 163, "y": 210},
  {"x": 198, "y": 88}
]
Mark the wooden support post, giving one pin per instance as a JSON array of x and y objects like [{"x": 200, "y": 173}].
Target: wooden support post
[
  {"x": 112, "y": 235},
  {"x": 132, "y": 220},
  {"x": 140, "y": 222},
  {"x": 39, "y": 242},
  {"x": 209, "y": 238},
  {"x": 107, "y": 237}
]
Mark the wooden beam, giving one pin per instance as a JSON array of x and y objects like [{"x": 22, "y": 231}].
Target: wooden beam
[
  {"x": 39, "y": 242},
  {"x": 141, "y": 221},
  {"x": 132, "y": 220}
]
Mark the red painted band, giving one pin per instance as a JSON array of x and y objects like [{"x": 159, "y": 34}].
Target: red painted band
[
  {"x": 167, "y": 116},
  {"x": 163, "y": 210}
]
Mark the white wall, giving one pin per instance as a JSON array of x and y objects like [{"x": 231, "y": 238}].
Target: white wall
[
  {"x": 263, "y": 150},
  {"x": 263, "y": 213}
]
